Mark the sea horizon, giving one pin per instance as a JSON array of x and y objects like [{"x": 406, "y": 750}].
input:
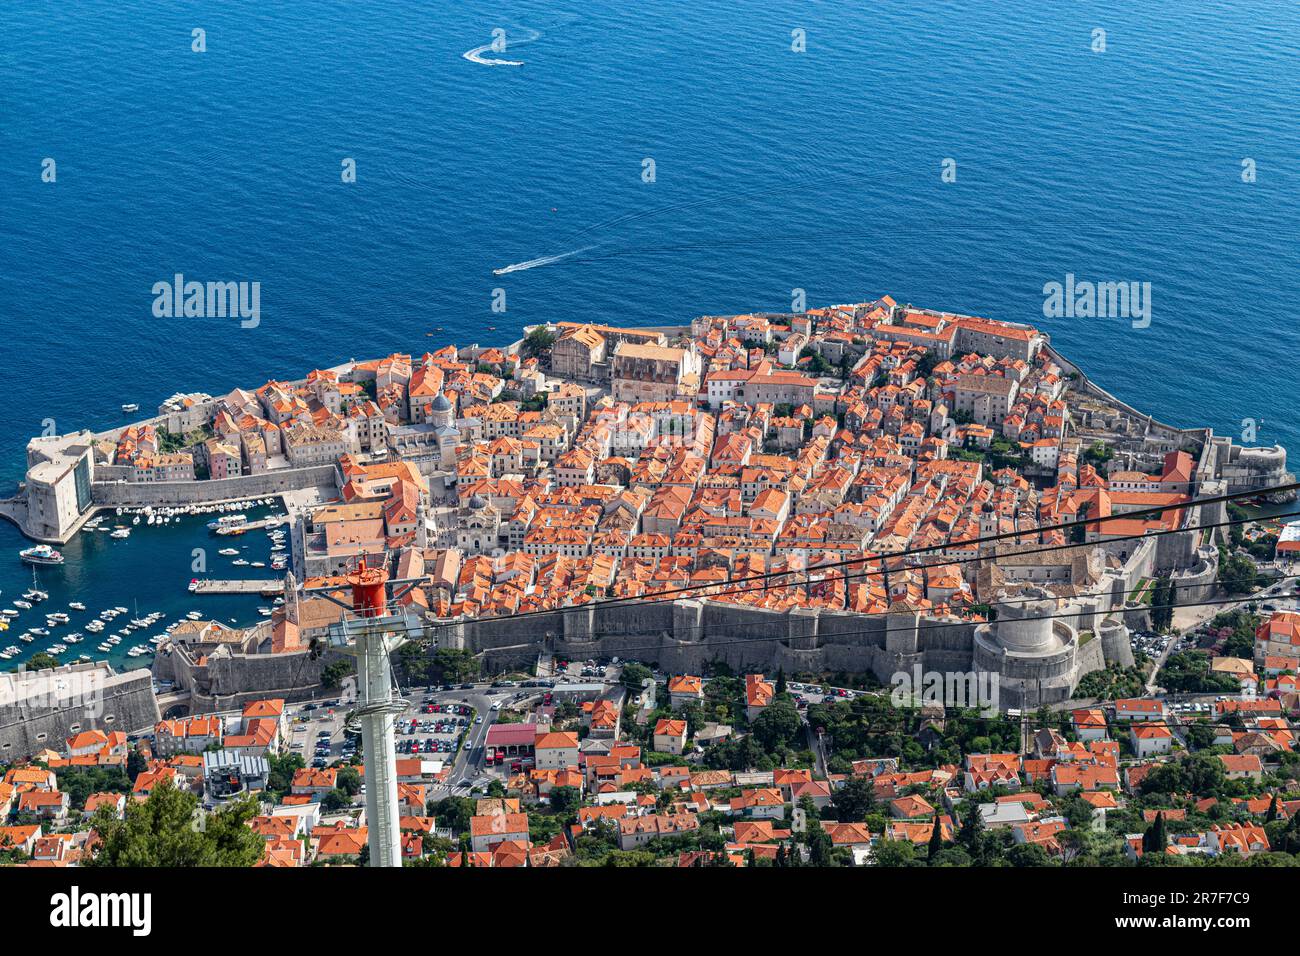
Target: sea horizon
[{"x": 776, "y": 174}]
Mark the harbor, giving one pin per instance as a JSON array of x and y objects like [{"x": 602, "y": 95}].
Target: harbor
[{"x": 124, "y": 580}]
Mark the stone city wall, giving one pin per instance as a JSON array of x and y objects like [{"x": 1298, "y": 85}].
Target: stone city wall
[
  {"x": 180, "y": 493},
  {"x": 128, "y": 705}
]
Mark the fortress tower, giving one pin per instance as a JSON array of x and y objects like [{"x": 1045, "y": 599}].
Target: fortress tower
[{"x": 1034, "y": 654}]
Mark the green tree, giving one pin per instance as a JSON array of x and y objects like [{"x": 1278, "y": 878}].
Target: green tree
[
  {"x": 279, "y": 778},
  {"x": 349, "y": 780},
  {"x": 936, "y": 839},
  {"x": 41, "y": 661},
  {"x": 819, "y": 844},
  {"x": 335, "y": 801},
  {"x": 635, "y": 675},
  {"x": 895, "y": 853},
  {"x": 538, "y": 342},
  {"x": 164, "y": 831},
  {"x": 565, "y": 801},
  {"x": 854, "y": 800},
  {"x": 777, "y": 726},
  {"x": 1155, "y": 840},
  {"x": 332, "y": 674},
  {"x": 1162, "y": 600}
]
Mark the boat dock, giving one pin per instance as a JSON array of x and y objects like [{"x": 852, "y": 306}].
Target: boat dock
[
  {"x": 267, "y": 587},
  {"x": 272, "y": 522}
]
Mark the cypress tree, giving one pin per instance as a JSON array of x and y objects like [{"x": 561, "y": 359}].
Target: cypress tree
[{"x": 936, "y": 839}]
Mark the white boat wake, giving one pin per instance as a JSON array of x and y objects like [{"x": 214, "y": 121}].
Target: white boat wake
[
  {"x": 539, "y": 261},
  {"x": 498, "y": 45}
]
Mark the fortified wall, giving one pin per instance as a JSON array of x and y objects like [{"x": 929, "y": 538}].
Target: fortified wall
[
  {"x": 111, "y": 494},
  {"x": 41, "y": 709},
  {"x": 686, "y": 636},
  {"x": 226, "y": 680}
]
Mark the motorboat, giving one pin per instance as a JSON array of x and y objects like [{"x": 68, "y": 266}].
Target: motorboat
[{"x": 40, "y": 554}]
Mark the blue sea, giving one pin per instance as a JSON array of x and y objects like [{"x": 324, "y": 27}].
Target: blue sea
[{"x": 773, "y": 170}]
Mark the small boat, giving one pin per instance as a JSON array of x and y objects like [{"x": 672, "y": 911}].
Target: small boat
[
  {"x": 228, "y": 552},
  {"x": 227, "y": 522},
  {"x": 40, "y": 632},
  {"x": 240, "y": 562},
  {"x": 106, "y": 648},
  {"x": 76, "y": 606},
  {"x": 40, "y": 554},
  {"x": 25, "y": 605},
  {"x": 258, "y": 564},
  {"x": 121, "y": 533},
  {"x": 26, "y": 637},
  {"x": 130, "y": 407}
]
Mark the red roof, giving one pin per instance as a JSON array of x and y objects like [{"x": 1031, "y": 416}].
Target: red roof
[{"x": 511, "y": 735}]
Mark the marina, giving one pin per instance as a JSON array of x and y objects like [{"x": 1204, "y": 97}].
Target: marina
[{"x": 85, "y": 607}]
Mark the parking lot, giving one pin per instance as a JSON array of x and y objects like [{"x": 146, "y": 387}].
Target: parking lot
[
  {"x": 434, "y": 728},
  {"x": 318, "y": 733}
]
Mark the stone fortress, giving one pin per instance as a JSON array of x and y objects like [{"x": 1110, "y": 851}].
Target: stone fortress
[
  {"x": 40, "y": 709},
  {"x": 1038, "y": 662}
]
